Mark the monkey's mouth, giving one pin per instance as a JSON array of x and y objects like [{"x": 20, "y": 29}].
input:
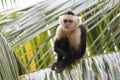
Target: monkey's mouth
[{"x": 68, "y": 27}]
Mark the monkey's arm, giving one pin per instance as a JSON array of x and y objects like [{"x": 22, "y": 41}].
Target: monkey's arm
[
  {"x": 57, "y": 49},
  {"x": 58, "y": 46}
]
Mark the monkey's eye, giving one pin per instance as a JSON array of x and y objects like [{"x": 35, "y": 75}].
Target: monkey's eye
[
  {"x": 65, "y": 21},
  {"x": 70, "y": 21}
]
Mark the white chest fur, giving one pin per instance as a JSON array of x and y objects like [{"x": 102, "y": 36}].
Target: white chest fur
[{"x": 74, "y": 37}]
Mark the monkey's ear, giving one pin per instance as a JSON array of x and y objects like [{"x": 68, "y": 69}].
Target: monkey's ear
[
  {"x": 60, "y": 19},
  {"x": 80, "y": 20}
]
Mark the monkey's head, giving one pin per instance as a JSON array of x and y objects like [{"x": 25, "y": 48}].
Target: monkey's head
[{"x": 69, "y": 21}]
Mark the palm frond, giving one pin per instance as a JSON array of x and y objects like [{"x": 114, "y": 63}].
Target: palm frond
[
  {"x": 8, "y": 64},
  {"x": 101, "y": 67}
]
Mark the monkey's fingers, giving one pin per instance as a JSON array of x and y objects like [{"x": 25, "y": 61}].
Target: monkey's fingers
[
  {"x": 60, "y": 69},
  {"x": 53, "y": 66}
]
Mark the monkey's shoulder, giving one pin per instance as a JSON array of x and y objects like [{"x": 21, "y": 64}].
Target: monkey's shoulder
[{"x": 82, "y": 27}]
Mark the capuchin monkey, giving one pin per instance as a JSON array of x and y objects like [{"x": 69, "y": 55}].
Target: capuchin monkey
[{"x": 70, "y": 41}]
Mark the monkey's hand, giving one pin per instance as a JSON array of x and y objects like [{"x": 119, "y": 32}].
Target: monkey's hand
[
  {"x": 55, "y": 65},
  {"x": 60, "y": 67},
  {"x": 63, "y": 63}
]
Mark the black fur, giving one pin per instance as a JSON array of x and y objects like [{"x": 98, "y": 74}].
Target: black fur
[
  {"x": 69, "y": 13},
  {"x": 66, "y": 53}
]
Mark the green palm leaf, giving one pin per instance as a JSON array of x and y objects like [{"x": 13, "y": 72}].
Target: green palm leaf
[{"x": 101, "y": 67}]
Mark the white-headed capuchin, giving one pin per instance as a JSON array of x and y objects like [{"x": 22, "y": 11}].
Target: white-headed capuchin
[{"x": 70, "y": 40}]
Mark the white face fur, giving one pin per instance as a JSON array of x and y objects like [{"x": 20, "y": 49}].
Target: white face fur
[{"x": 69, "y": 22}]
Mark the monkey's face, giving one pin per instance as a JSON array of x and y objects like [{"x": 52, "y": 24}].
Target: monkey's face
[{"x": 69, "y": 22}]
